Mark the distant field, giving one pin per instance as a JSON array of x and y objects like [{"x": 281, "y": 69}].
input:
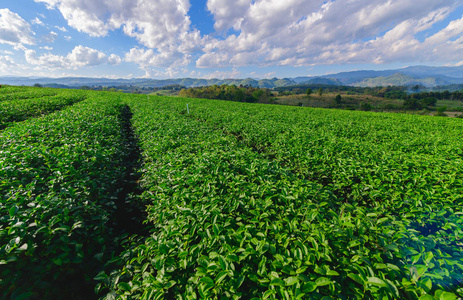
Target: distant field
[
  {"x": 328, "y": 101},
  {"x": 355, "y": 101},
  {"x": 169, "y": 93},
  {"x": 155, "y": 197},
  {"x": 451, "y": 104}
]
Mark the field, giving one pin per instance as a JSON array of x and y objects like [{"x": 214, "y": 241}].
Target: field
[
  {"x": 111, "y": 195},
  {"x": 353, "y": 101},
  {"x": 327, "y": 100}
]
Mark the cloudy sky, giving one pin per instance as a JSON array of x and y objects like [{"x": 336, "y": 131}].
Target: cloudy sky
[{"x": 224, "y": 38}]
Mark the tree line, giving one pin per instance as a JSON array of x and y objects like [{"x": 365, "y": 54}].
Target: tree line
[
  {"x": 388, "y": 92},
  {"x": 445, "y": 95},
  {"x": 229, "y": 92}
]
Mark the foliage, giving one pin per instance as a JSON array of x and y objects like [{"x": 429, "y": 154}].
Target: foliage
[
  {"x": 277, "y": 202},
  {"x": 58, "y": 176},
  {"x": 365, "y": 106},
  {"x": 246, "y": 201},
  {"x": 444, "y": 95},
  {"x": 390, "y": 92},
  {"x": 416, "y": 103},
  {"x": 18, "y": 93},
  {"x": 19, "y": 106},
  {"x": 229, "y": 92},
  {"x": 441, "y": 111}
]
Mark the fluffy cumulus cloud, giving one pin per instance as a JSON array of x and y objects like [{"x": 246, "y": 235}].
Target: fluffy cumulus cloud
[
  {"x": 157, "y": 24},
  {"x": 151, "y": 61},
  {"x": 37, "y": 21},
  {"x": 6, "y": 63},
  {"x": 51, "y": 37},
  {"x": 152, "y": 58},
  {"x": 79, "y": 57},
  {"x": 14, "y": 30},
  {"x": 63, "y": 29},
  {"x": 267, "y": 32},
  {"x": 228, "y": 14},
  {"x": 298, "y": 32},
  {"x": 162, "y": 26},
  {"x": 234, "y": 73}
]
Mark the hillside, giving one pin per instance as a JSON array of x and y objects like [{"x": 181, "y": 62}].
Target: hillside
[{"x": 400, "y": 79}]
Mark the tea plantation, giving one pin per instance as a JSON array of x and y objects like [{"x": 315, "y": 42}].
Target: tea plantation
[{"x": 119, "y": 196}]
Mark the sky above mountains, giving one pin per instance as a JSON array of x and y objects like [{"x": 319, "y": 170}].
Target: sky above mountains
[{"x": 223, "y": 38}]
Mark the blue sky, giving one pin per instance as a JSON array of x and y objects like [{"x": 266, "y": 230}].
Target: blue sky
[{"x": 224, "y": 39}]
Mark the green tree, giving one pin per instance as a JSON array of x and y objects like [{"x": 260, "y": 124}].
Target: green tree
[
  {"x": 412, "y": 103},
  {"x": 320, "y": 92},
  {"x": 365, "y": 106},
  {"x": 441, "y": 111},
  {"x": 258, "y": 95},
  {"x": 308, "y": 92},
  {"x": 429, "y": 101},
  {"x": 338, "y": 99}
]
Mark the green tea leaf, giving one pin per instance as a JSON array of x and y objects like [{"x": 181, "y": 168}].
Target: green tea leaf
[
  {"x": 291, "y": 281},
  {"x": 376, "y": 281},
  {"x": 322, "y": 281}
]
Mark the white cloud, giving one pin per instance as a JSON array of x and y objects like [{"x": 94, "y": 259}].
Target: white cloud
[
  {"x": 455, "y": 28},
  {"x": 161, "y": 25},
  {"x": 37, "y": 21},
  {"x": 154, "y": 23},
  {"x": 8, "y": 66},
  {"x": 228, "y": 14},
  {"x": 302, "y": 33},
  {"x": 150, "y": 61},
  {"x": 6, "y": 63},
  {"x": 63, "y": 29},
  {"x": 153, "y": 72},
  {"x": 271, "y": 32},
  {"x": 84, "y": 15},
  {"x": 448, "y": 43},
  {"x": 114, "y": 59},
  {"x": 79, "y": 57},
  {"x": 432, "y": 18},
  {"x": 234, "y": 73},
  {"x": 46, "y": 48},
  {"x": 51, "y": 37},
  {"x": 14, "y": 30},
  {"x": 263, "y": 76},
  {"x": 399, "y": 44},
  {"x": 84, "y": 56}
]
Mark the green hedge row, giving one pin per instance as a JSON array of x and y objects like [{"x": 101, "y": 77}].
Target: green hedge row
[
  {"x": 20, "y": 109},
  {"x": 58, "y": 178},
  {"x": 252, "y": 201}
]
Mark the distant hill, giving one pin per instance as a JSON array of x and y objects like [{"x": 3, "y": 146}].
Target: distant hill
[
  {"x": 74, "y": 82},
  {"x": 424, "y": 71},
  {"x": 416, "y": 75},
  {"x": 400, "y": 79},
  {"x": 322, "y": 81},
  {"x": 427, "y": 76}
]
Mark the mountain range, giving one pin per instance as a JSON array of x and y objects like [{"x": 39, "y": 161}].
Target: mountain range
[{"x": 410, "y": 76}]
